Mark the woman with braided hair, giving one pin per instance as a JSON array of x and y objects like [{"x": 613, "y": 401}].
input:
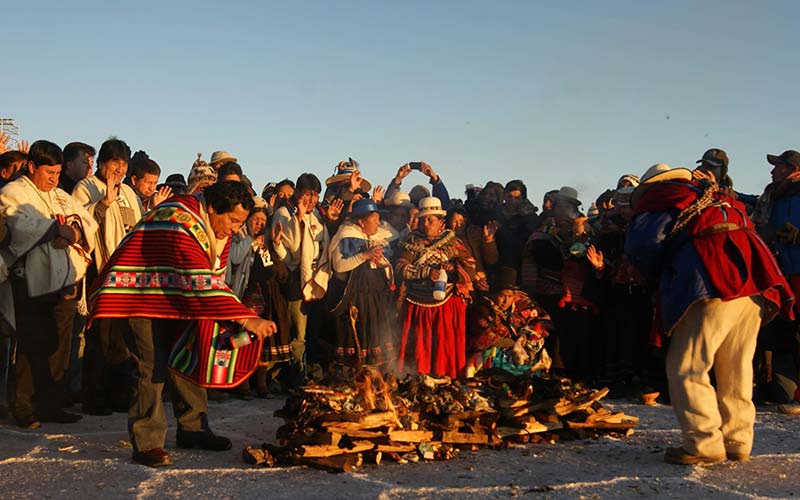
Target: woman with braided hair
[{"x": 437, "y": 272}]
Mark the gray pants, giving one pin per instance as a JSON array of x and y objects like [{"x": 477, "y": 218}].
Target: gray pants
[
  {"x": 150, "y": 342},
  {"x": 298, "y": 322}
]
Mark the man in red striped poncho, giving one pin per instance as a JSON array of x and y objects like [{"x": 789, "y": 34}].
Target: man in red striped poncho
[{"x": 166, "y": 281}]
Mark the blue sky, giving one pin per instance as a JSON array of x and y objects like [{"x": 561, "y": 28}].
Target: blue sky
[{"x": 554, "y": 93}]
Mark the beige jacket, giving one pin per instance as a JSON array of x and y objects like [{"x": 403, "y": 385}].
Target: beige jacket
[
  {"x": 30, "y": 215},
  {"x": 90, "y": 191}
]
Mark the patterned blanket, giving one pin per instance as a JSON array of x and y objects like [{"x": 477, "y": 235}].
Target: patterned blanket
[{"x": 165, "y": 268}]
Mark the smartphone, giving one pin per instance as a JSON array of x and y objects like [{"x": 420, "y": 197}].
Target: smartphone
[{"x": 415, "y": 165}]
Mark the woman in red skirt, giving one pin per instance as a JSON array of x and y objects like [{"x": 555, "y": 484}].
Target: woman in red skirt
[{"x": 436, "y": 270}]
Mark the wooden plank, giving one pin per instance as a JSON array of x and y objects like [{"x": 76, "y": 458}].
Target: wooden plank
[
  {"x": 624, "y": 426},
  {"x": 322, "y": 451},
  {"x": 531, "y": 408},
  {"x": 410, "y": 436},
  {"x": 465, "y": 415},
  {"x": 327, "y": 438},
  {"x": 567, "y": 407},
  {"x": 507, "y": 403},
  {"x": 369, "y": 421},
  {"x": 340, "y": 463},
  {"x": 527, "y": 428},
  {"x": 355, "y": 433},
  {"x": 505, "y": 431},
  {"x": 611, "y": 418},
  {"x": 395, "y": 448},
  {"x": 464, "y": 438},
  {"x": 341, "y": 416}
]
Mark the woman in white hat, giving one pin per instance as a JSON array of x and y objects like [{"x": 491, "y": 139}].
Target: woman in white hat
[{"x": 437, "y": 271}]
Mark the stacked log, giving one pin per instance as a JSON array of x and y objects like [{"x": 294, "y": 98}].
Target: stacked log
[{"x": 369, "y": 418}]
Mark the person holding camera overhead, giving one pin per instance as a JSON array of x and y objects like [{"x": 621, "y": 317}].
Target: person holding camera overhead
[{"x": 438, "y": 189}]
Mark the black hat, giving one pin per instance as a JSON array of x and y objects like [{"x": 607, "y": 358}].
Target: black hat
[
  {"x": 789, "y": 157},
  {"x": 715, "y": 157},
  {"x": 506, "y": 279},
  {"x": 175, "y": 179}
]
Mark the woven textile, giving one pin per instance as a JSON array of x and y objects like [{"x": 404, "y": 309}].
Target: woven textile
[{"x": 166, "y": 268}]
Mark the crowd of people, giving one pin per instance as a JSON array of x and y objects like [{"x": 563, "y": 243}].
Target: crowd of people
[{"x": 114, "y": 284}]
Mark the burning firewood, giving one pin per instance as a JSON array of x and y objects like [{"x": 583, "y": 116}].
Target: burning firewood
[{"x": 360, "y": 415}]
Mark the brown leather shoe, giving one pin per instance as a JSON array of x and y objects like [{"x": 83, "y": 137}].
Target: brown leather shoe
[
  {"x": 738, "y": 457},
  {"x": 679, "y": 456},
  {"x": 156, "y": 457}
]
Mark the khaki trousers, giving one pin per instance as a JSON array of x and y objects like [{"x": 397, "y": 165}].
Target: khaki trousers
[
  {"x": 722, "y": 335},
  {"x": 150, "y": 342}
]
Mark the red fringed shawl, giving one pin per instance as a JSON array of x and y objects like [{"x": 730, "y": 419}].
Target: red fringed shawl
[{"x": 738, "y": 262}]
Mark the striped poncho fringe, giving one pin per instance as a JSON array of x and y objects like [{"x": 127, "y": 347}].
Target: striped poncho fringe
[{"x": 163, "y": 269}]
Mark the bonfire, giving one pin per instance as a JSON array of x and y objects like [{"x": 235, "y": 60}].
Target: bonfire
[{"x": 362, "y": 416}]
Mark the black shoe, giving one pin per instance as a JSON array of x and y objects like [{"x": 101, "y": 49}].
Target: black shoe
[
  {"x": 96, "y": 410},
  {"x": 27, "y": 421},
  {"x": 60, "y": 417},
  {"x": 156, "y": 457},
  {"x": 205, "y": 440}
]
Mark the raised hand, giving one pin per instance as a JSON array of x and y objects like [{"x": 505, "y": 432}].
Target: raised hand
[
  {"x": 23, "y": 146},
  {"x": 356, "y": 197},
  {"x": 402, "y": 173},
  {"x": 161, "y": 195},
  {"x": 3, "y": 142},
  {"x": 303, "y": 207},
  {"x": 428, "y": 170},
  {"x": 595, "y": 257},
  {"x": 355, "y": 181},
  {"x": 258, "y": 242},
  {"x": 489, "y": 231},
  {"x": 277, "y": 234},
  {"x": 377, "y": 194},
  {"x": 112, "y": 188},
  {"x": 335, "y": 209},
  {"x": 699, "y": 173}
]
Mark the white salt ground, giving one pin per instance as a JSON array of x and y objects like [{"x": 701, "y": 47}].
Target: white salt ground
[{"x": 91, "y": 459}]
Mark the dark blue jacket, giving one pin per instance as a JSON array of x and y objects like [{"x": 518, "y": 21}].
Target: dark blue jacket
[
  {"x": 674, "y": 264},
  {"x": 785, "y": 209}
]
